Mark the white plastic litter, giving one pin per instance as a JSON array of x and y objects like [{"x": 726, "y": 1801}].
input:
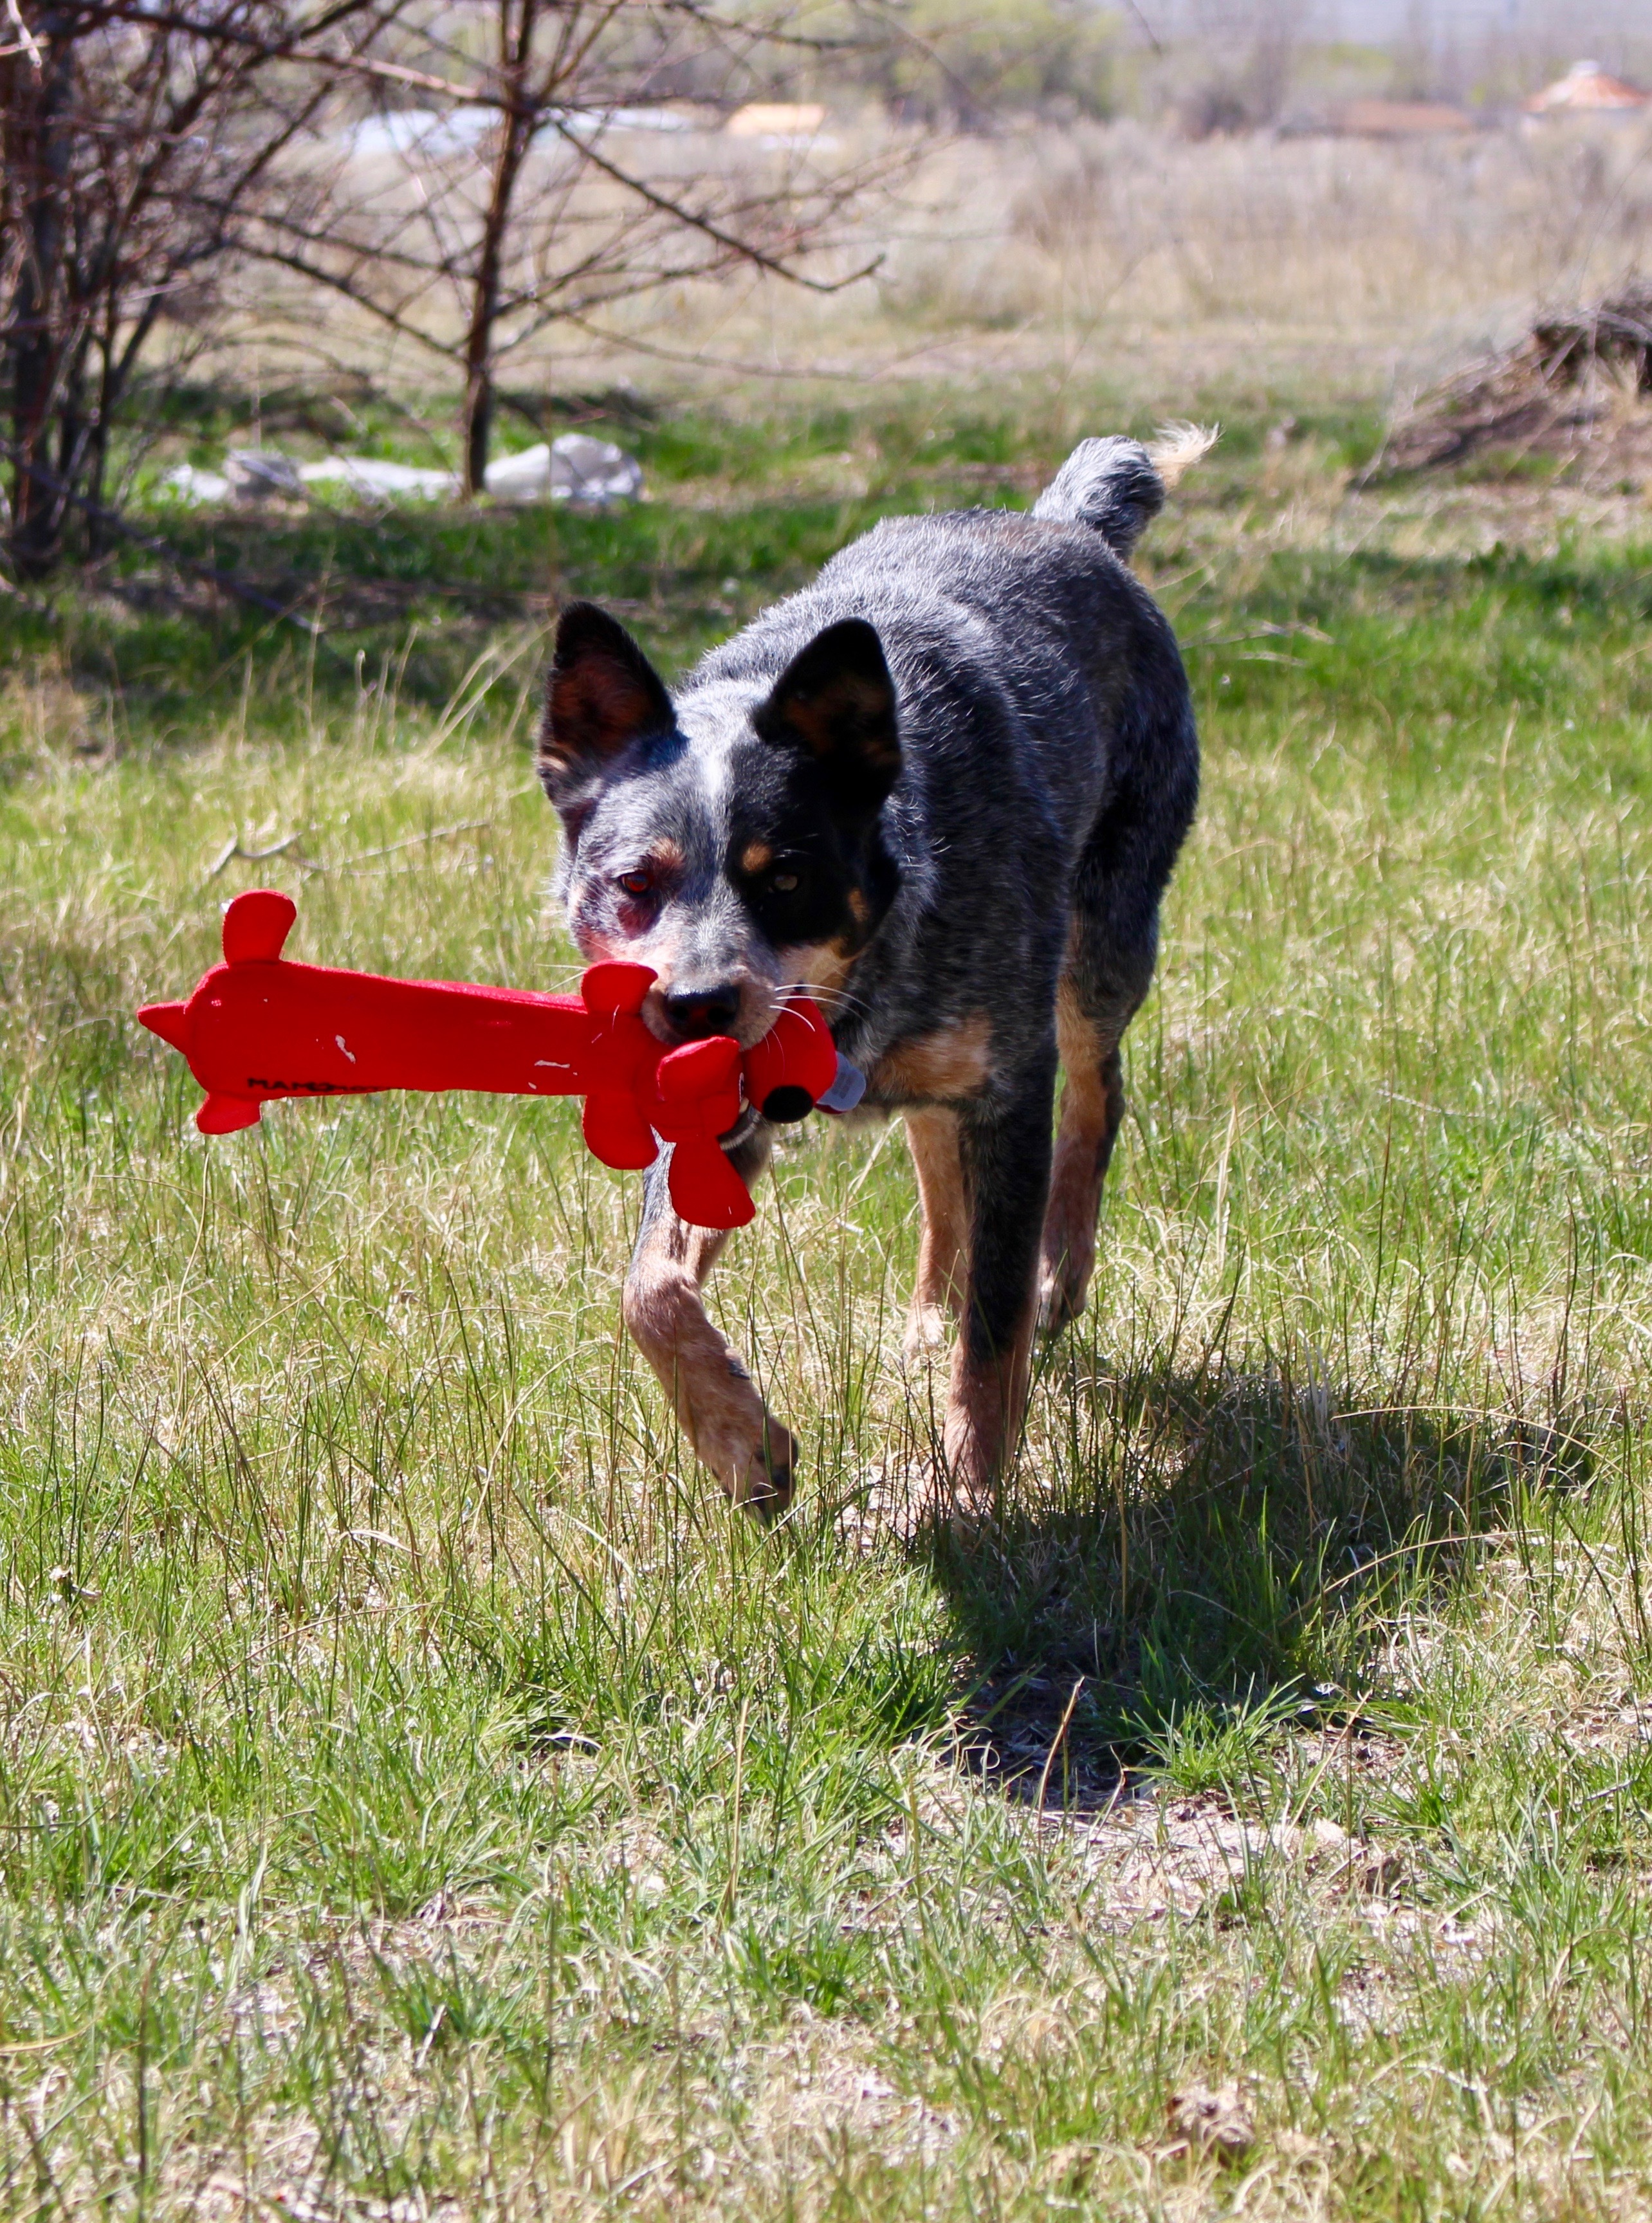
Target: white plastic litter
[
  {"x": 575, "y": 468},
  {"x": 524, "y": 477},
  {"x": 584, "y": 469},
  {"x": 375, "y": 480},
  {"x": 188, "y": 482},
  {"x": 433, "y": 135},
  {"x": 428, "y": 132},
  {"x": 258, "y": 473}
]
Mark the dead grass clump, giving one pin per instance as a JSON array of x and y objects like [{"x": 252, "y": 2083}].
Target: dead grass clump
[{"x": 1577, "y": 386}]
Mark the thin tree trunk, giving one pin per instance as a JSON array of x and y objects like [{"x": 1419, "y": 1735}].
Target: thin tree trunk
[
  {"x": 517, "y": 119},
  {"x": 116, "y": 363},
  {"x": 36, "y": 510}
]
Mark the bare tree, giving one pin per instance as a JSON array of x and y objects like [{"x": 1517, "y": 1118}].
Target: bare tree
[
  {"x": 135, "y": 141},
  {"x": 518, "y": 191}
]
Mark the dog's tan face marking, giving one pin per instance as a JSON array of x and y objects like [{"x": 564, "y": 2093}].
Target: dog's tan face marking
[
  {"x": 756, "y": 857},
  {"x": 955, "y": 1062},
  {"x": 823, "y": 965},
  {"x": 860, "y": 908}
]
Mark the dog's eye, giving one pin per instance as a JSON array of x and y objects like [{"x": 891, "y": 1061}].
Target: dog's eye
[
  {"x": 784, "y": 883},
  {"x": 636, "y": 884}
]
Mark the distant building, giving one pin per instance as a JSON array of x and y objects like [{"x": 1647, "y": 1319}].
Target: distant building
[
  {"x": 1587, "y": 90},
  {"x": 1400, "y": 119},
  {"x": 1382, "y": 119},
  {"x": 778, "y": 122}
]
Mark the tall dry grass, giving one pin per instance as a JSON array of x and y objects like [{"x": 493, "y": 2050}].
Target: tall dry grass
[
  {"x": 1170, "y": 267},
  {"x": 1123, "y": 248}
]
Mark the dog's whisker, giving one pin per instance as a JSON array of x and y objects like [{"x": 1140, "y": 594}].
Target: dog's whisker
[{"x": 829, "y": 999}]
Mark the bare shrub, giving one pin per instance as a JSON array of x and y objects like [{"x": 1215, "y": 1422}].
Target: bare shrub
[
  {"x": 135, "y": 143},
  {"x": 528, "y": 188}
]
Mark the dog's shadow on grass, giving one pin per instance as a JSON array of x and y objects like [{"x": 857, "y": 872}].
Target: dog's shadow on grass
[{"x": 1203, "y": 1546}]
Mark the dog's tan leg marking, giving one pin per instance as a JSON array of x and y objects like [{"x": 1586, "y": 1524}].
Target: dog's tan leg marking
[
  {"x": 932, "y": 1138},
  {"x": 1092, "y": 1106},
  {"x": 713, "y": 1395},
  {"x": 986, "y": 1402},
  {"x": 955, "y": 1061}
]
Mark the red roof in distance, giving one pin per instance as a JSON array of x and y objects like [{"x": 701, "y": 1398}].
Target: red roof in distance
[{"x": 1586, "y": 89}]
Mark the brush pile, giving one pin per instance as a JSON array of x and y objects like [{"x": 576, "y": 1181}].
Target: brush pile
[{"x": 1577, "y": 387}]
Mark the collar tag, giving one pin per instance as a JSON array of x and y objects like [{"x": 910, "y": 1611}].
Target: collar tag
[{"x": 849, "y": 1087}]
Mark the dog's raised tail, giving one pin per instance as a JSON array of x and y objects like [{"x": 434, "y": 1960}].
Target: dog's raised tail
[{"x": 1118, "y": 486}]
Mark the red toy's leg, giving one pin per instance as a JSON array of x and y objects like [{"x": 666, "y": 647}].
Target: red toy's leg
[
  {"x": 714, "y": 1396},
  {"x": 223, "y": 1115}
]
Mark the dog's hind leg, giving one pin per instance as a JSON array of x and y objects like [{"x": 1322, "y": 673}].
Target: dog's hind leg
[
  {"x": 1004, "y": 1151},
  {"x": 1112, "y": 948},
  {"x": 937, "y": 1299},
  {"x": 1091, "y": 1107},
  {"x": 711, "y": 1389}
]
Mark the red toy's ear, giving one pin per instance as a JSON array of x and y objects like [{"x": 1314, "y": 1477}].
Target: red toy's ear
[
  {"x": 612, "y": 986},
  {"x": 256, "y": 924},
  {"x": 796, "y": 1062}
]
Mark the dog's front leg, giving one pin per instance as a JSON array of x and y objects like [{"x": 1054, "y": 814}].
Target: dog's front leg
[
  {"x": 710, "y": 1389},
  {"x": 1006, "y": 1157},
  {"x": 943, "y": 1241}
]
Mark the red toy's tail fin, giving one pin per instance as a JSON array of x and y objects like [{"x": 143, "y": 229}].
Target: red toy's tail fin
[{"x": 169, "y": 1021}]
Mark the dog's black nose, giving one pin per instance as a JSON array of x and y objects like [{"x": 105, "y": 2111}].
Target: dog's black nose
[{"x": 696, "y": 1013}]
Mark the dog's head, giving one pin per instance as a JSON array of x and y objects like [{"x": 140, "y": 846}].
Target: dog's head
[{"x": 731, "y": 841}]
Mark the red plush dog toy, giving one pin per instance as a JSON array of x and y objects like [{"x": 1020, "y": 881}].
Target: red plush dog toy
[{"x": 257, "y": 1029}]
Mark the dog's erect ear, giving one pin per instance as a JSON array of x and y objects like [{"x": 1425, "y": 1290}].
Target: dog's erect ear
[
  {"x": 602, "y": 694},
  {"x": 835, "y": 702}
]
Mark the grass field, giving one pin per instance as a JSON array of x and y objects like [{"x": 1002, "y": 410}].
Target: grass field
[{"x": 420, "y": 1796}]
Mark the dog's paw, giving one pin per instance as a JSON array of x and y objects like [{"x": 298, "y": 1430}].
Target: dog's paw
[
  {"x": 928, "y": 1331},
  {"x": 1060, "y": 1303},
  {"x": 764, "y": 1481}
]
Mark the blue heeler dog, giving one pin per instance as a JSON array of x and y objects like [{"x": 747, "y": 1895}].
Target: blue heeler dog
[{"x": 941, "y": 791}]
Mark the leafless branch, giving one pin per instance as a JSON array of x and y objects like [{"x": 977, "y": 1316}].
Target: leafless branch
[{"x": 133, "y": 149}]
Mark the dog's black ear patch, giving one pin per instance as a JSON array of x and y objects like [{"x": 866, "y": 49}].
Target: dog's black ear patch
[
  {"x": 602, "y": 695},
  {"x": 837, "y": 701}
]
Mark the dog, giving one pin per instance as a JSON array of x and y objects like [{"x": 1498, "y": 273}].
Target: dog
[{"x": 941, "y": 791}]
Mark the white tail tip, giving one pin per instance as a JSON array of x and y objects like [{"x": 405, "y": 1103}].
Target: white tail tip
[{"x": 1175, "y": 449}]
